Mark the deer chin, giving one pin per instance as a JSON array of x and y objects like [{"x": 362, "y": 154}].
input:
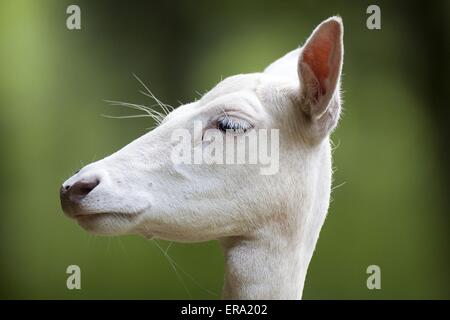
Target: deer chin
[{"x": 107, "y": 223}]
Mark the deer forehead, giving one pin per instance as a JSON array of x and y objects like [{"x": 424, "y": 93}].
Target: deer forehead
[{"x": 253, "y": 96}]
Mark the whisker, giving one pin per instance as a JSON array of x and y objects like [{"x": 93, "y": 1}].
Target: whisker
[
  {"x": 127, "y": 117},
  {"x": 173, "y": 267},
  {"x": 134, "y": 106},
  {"x": 163, "y": 106},
  {"x": 155, "y": 115},
  {"x": 185, "y": 272},
  {"x": 338, "y": 186},
  {"x": 168, "y": 247},
  {"x": 335, "y": 145}
]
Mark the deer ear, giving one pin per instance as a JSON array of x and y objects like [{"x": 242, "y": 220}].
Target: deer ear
[{"x": 319, "y": 70}]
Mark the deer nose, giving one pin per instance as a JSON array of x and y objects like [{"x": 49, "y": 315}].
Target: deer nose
[{"x": 71, "y": 194}]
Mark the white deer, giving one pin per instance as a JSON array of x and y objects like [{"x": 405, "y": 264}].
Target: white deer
[{"x": 268, "y": 225}]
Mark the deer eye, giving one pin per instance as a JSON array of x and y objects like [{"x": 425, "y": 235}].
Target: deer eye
[{"x": 227, "y": 124}]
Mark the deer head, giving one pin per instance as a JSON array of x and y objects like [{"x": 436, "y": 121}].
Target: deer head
[{"x": 140, "y": 189}]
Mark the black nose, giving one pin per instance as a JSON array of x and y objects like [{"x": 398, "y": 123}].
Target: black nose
[{"x": 72, "y": 194}]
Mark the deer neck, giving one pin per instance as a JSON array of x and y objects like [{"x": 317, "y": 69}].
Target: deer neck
[
  {"x": 273, "y": 261},
  {"x": 265, "y": 267}
]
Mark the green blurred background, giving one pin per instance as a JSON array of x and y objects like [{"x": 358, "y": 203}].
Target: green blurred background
[{"x": 392, "y": 159}]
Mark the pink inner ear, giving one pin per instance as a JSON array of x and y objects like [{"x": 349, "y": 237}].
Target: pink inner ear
[
  {"x": 318, "y": 54},
  {"x": 316, "y": 57}
]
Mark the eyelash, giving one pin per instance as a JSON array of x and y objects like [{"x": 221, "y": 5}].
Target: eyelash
[{"x": 237, "y": 126}]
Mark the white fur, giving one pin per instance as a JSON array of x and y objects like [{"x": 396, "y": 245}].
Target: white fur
[{"x": 268, "y": 225}]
